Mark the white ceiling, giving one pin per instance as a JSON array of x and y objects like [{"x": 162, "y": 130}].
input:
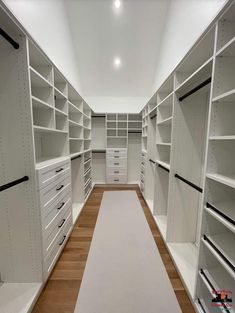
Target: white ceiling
[{"x": 100, "y": 33}]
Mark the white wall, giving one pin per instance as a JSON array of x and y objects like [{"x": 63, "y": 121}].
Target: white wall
[
  {"x": 186, "y": 21},
  {"x": 117, "y": 104},
  {"x": 46, "y": 21}
]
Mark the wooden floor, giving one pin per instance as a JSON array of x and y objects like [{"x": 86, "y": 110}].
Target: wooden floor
[{"x": 61, "y": 291}]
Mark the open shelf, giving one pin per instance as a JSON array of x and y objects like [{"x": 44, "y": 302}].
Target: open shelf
[
  {"x": 166, "y": 89},
  {"x": 60, "y": 84}
]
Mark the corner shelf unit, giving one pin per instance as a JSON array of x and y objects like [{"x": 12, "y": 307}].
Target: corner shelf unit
[{"x": 194, "y": 177}]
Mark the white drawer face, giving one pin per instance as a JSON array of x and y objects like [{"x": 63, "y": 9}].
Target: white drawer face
[
  {"x": 55, "y": 229},
  {"x": 52, "y": 172},
  {"x": 58, "y": 245},
  {"x": 116, "y": 163},
  {"x": 116, "y": 157},
  {"x": 116, "y": 171},
  {"x": 121, "y": 179},
  {"x": 52, "y": 191},
  {"x": 55, "y": 213},
  {"x": 116, "y": 152}
]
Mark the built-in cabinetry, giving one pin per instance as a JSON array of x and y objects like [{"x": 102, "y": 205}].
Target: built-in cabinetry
[
  {"x": 191, "y": 120},
  {"x": 116, "y": 148},
  {"x": 46, "y": 165}
]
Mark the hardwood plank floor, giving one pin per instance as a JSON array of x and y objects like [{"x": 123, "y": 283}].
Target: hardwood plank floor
[{"x": 61, "y": 291}]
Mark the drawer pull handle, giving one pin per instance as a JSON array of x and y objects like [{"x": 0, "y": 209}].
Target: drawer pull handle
[
  {"x": 116, "y": 156},
  {"x": 60, "y": 244},
  {"x": 59, "y": 188},
  {"x": 61, "y": 206},
  {"x": 116, "y": 179},
  {"x": 116, "y": 172},
  {"x": 61, "y": 169},
  {"x": 62, "y": 223},
  {"x": 116, "y": 163}
]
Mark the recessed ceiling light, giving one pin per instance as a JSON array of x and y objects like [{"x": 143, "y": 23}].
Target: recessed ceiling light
[
  {"x": 117, "y": 62},
  {"x": 117, "y": 3}
]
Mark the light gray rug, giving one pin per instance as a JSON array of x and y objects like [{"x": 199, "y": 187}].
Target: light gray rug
[{"x": 124, "y": 271}]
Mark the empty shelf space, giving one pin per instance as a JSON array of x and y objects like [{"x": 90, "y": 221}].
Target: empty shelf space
[
  {"x": 59, "y": 112},
  {"x": 228, "y": 49},
  {"x": 39, "y": 104},
  {"x": 73, "y": 108},
  {"x": 165, "y": 121},
  {"x": 37, "y": 80},
  {"x": 59, "y": 94},
  {"x": 163, "y": 143},
  {"x": 228, "y": 96},
  {"x": 41, "y": 129},
  {"x": 228, "y": 179},
  {"x": 72, "y": 123}
]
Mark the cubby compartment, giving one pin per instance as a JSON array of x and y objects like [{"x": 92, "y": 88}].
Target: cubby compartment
[
  {"x": 144, "y": 142},
  {"x": 116, "y": 142},
  {"x": 49, "y": 145},
  {"x": 222, "y": 118},
  {"x": 75, "y": 146},
  {"x": 134, "y": 117},
  {"x": 220, "y": 202},
  {"x": 132, "y": 125},
  {"x": 196, "y": 60},
  {"x": 219, "y": 239},
  {"x": 43, "y": 115},
  {"x": 87, "y": 145},
  {"x": 164, "y": 110},
  {"x": 60, "y": 84},
  {"x": 39, "y": 63},
  {"x": 43, "y": 93},
  {"x": 87, "y": 134},
  {"x": 86, "y": 122},
  {"x": 111, "y": 117},
  {"x": 61, "y": 121},
  {"x": 226, "y": 28},
  {"x": 98, "y": 132},
  {"x": 111, "y": 125},
  {"x": 163, "y": 133},
  {"x": 111, "y": 133},
  {"x": 99, "y": 167},
  {"x": 75, "y": 116},
  {"x": 75, "y": 132},
  {"x": 122, "y": 125},
  {"x": 221, "y": 165},
  {"x": 122, "y": 117},
  {"x": 86, "y": 110},
  {"x": 166, "y": 89},
  {"x": 163, "y": 155},
  {"x": 224, "y": 71},
  {"x": 75, "y": 99},
  {"x": 122, "y": 133},
  {"x": 152, "y": 103},
  {"x": 61, "y": 105}
]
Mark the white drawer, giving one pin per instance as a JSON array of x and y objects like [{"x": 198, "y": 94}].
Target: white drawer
[
  {"x": 116, "y": 152},
  {"x": 116, "y": 157},
  {"x": 116, "y": 163},
  {"x": 52, "y": 172},
  {"x": 52, "y": 191},
  {"x": 58, "y": 245},
  {"x": 118, "y": 179},
  {"x": 115, "y": 171},
  {"x": 55, "y": 228}
]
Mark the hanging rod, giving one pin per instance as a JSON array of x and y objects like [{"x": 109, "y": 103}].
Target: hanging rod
[
  {"x": 201, "y": 306},
  {"x": 164, "y": 168},
  {"x": 219, "y": 252},
  {"x": 98, "y": 151},
  {"x": 198, "y": 87},
  {"x": 189, "y": 183},
  {"x": 98, "y": 116},
  {"x": 229, "y": 219},
  {"x": 134, "y": 132},
  {"x": 150, "y": 160},
  {"x": 14, "y": 183},
  {"x": 9, "y": 39},
  {"x": 76, "y": 157},
  {"x": 152, "y": 117}
]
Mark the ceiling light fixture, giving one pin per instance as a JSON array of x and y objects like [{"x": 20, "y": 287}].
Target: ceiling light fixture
[
  {"x": 117, "y": 4},
  {"x": 117, "y": 62}
]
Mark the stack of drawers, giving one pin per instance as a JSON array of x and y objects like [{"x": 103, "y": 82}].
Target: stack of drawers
[
  {"x": 54, "y": 190},
  {"x": 116, "y": 165}
]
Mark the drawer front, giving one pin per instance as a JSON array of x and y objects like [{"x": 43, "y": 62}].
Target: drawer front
[
  {"x": 56, "y": 214},
  {"x": 116, "y": 152},
  {"x": 116, "y": 163},
  {"x": 58, "y": 245},
  {"x": 52, "y": 172},
  {"x": 121, "y": 179},
  {"x": 116, "y": 157},
  {"x": 116, "y": 171},
  {"x": 54, "y": 232},
  {"x": 54, "y": 190}
]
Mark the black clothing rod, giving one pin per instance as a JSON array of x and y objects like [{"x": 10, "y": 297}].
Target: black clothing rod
[
  {"x": 201, "y": 306},
  {"x": 198, "y": 87},
  {"x": 229, "y": 219},
  {"x": 99, "y": 151},
  {"x": 76, "y": 157},
  {"x": 9, "y": 39},
  {"x": 152, "y": 117},
  {"x": 164, "y": 168},
  {"x": 98, "y": 116},
  {"x": 189, "y": 183},
  {"x": 14, "y": 183},
  {"x": 150, "y": 160},
  {"x": 134, "y": 132},
  {"x": 219, "y": 252}
]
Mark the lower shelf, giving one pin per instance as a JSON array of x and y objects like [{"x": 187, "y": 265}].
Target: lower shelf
[
  {"x": 77, "y": 207},
  {"x": 185, "y": 257},
  {"x": 18, "y": 297}
]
